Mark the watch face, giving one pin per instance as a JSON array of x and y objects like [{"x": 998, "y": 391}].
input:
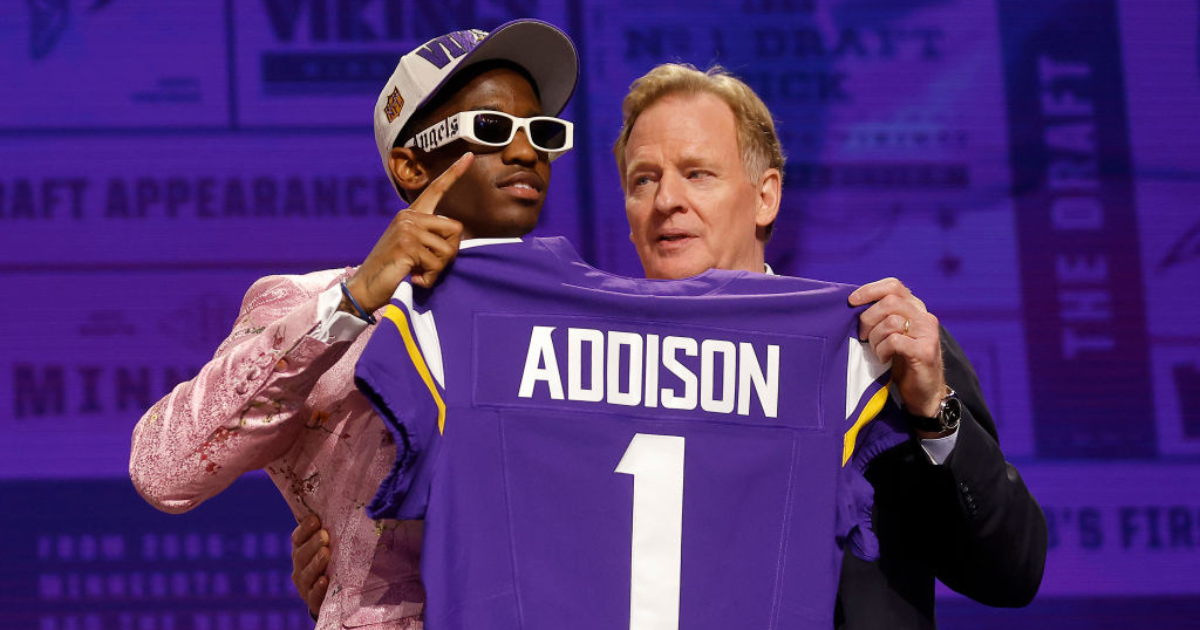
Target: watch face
[{"x": 951, "y": 413}]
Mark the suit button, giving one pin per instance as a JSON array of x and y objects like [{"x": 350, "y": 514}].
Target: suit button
[
  {"x": 252, "y": 374},
  {"x": 281, "y": 365},
  {"x": 241, "y": 389}
]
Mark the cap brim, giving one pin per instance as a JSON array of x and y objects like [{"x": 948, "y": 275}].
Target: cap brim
[{"x": 540, "y": 48}]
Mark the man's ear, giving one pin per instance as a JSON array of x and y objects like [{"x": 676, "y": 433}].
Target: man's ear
[
  {"x": 770, "y": 193},
  {"x": 408, "y": 171}
]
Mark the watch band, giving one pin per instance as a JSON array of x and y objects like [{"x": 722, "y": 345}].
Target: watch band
[{"x": 947, "y": 418}]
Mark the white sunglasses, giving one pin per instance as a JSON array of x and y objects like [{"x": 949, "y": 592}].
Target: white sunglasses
[{"x": 555, "y": 136}]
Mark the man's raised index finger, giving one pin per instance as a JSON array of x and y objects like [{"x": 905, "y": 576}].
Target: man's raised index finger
[{"x": 428, "y": 201}]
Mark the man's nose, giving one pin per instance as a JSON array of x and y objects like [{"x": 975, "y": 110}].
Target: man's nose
[
  {"x": 670, "y": 195},
  {"x": 520, "y": 150}
]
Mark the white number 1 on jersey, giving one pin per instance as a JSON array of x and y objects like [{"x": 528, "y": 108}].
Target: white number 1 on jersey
[{"x": 656, "y": 463}]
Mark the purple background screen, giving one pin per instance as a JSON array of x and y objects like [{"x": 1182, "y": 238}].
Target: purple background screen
[{"x": 1029, "y": 168}]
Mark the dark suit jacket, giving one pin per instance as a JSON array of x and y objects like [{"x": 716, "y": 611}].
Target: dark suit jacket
[{"x": 970, "y": 523}]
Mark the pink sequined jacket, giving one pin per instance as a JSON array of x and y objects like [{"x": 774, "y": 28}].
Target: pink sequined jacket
[{"x": 275, "y": 397}]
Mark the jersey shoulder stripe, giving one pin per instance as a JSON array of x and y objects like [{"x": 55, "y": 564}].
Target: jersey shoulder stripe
[
  {"x": 396, "y": 315},
  {"x": 867, "y": 380}
]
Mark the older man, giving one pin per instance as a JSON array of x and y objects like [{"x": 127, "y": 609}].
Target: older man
[{"x": 701, "y": 167}]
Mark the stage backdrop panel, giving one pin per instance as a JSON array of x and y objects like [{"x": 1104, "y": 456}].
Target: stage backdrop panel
[{"x": 1028, "y": 168}]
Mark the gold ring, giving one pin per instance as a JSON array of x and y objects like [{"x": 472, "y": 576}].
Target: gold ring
[{"x": 907, "y": 323}]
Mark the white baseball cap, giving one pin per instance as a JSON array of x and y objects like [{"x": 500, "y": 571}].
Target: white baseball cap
[{"x": 542, "y": 49}]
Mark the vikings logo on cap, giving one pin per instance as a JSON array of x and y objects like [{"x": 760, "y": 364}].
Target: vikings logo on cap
[
  {"x": 394, "y": 104},
  {"x": 440, "y": 51}
]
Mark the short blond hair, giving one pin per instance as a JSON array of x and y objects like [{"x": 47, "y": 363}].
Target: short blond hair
[{"x": 757, "y": 139}]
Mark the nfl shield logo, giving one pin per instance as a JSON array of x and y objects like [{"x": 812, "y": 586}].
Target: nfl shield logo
[{"x": 394, "y": 105}]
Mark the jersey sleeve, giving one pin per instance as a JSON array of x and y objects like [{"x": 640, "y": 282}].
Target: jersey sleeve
[
  {"x": 873, "y": 425},
  {"x": 400, "y": 373},
  {"x": 867, "y": 380}
]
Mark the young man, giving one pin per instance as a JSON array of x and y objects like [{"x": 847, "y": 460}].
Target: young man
[{"x": 279, "y": 393}]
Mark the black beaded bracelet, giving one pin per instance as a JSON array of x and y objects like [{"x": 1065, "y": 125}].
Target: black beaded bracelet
[{"x": 362, "y": 313}]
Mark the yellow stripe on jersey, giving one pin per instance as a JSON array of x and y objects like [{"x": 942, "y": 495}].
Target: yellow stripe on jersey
[
  {"x": 397, "y": 316},
  {"x": 872, "y": 409}
]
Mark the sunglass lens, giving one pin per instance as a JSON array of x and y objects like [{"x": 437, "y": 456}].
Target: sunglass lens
[
  {"x": 493, "y": 129},
  {"x": 548, "y": 134}
]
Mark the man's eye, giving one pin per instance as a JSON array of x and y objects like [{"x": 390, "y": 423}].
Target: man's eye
[
  {"x": 697, "y": 174},
  {"x": 641, "y": 180}
]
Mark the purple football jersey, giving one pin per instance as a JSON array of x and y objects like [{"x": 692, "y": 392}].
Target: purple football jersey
[{"x": 592, "y": 451}]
